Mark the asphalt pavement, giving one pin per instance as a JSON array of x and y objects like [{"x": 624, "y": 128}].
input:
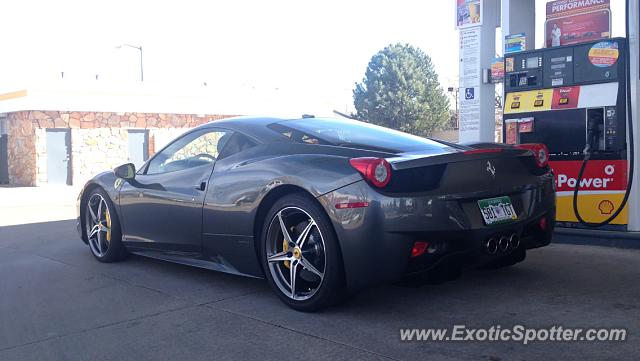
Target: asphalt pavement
[{"x": 58, "y": 303}]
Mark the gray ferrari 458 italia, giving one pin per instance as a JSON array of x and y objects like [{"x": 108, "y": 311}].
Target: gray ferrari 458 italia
[{"x": 322, "y": 207}]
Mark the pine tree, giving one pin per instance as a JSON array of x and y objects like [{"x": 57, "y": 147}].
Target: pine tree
[{"x": 400, "y": 90}]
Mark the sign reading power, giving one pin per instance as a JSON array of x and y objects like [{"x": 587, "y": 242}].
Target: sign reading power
[{"x": 602, "y": 188}]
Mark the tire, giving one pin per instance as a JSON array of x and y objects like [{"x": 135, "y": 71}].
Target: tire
[
  {"x": 105, "y": 239},
  {"x": 315, "y": 287}
]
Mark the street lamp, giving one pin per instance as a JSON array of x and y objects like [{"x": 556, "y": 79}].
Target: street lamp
[{"x": 139, "y": 48}]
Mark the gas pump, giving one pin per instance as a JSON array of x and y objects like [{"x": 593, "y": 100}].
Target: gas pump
[{"x": 574, "y": 99}]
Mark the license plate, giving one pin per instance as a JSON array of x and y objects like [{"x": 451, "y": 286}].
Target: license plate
[{"x": 497, "y": 210}]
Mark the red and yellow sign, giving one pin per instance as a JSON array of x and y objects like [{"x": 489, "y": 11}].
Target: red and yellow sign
[
  {"x": 602, "y": 188},
  {"x": 604, "y": 54},
  {"x": 577, "y": 21},
  {"x": 497, "y": 71},
  {"x": 565, "y": 97},
  {"x": 585, "y": 96},
  {"x": 561, "y": 8},
  {"x": 528, "y": 101}
]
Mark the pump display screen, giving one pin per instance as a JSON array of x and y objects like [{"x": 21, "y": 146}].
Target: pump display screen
[{"x": 532, "y": 62}]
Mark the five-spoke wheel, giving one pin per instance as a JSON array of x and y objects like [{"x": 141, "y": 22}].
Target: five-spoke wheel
[
  {"x": 102, "y": 227},
  {"x": 295, "y": 253},
  {"x": 98, "y": 224},
  {"x": 300, "y": 250}
]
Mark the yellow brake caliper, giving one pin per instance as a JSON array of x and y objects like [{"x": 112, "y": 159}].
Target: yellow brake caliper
[
  {"x": 108, "y": 219},
  {"x": 285, "y": 248}
]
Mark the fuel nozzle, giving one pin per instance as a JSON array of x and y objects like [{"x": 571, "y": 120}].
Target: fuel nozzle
[{"x": 595, "y": 126}]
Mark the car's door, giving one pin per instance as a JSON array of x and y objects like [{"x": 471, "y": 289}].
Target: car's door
[{"x": 162, "y": 207}]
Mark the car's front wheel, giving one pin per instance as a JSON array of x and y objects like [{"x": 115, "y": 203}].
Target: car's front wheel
[
  {"x": 102, "y": 228},
  {"x": 300, "y": 254}
]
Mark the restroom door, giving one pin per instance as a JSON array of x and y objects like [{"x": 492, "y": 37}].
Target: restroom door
[
  {"x": 58, "y": 156},
  {"x": 138, "y": 147}
]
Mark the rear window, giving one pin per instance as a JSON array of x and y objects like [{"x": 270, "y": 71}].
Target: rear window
[{"x": 354, "y": 134}]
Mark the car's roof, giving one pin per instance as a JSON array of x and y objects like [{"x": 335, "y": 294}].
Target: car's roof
[
  {"x": 244, "y": 121},
  {"x": 258, "y": 127},
  {"x": 251, "y": 125}
]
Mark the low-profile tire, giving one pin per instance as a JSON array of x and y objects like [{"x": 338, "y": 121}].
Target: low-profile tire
[
  {"x": 514, "y": 258},
  {"x": 102, "y": 227},
  {"x": 309, "y": 251}
]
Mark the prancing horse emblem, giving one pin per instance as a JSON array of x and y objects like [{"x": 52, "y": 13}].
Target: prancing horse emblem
[{"x": 491, "y": 169}]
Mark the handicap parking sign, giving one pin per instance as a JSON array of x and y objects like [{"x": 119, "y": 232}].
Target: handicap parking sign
[{"x": 469, "y": 93}]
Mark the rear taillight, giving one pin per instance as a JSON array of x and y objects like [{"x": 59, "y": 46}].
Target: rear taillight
[
  {"x": 376, "y": 171},
  {"x": 419, "y": 248},
  {"x": 540, "y": 152},
  {"x": 543, "y": 223}
]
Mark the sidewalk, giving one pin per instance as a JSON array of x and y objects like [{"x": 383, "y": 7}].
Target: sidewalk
[{"x": 22, "y": 205}]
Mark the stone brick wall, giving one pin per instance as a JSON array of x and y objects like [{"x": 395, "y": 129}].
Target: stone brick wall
[
  {"x": 95, "y": 150},
  {"x": 99, "y": 140},
  {"x": 21, "y": 146}
]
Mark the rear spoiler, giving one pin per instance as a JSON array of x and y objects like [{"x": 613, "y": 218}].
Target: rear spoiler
[{"x": 413, "y": 160}]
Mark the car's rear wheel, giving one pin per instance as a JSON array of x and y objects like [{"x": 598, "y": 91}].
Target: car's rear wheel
[
  {"x": 102, "y": 228},
  {"x": 300, "y": 255}
]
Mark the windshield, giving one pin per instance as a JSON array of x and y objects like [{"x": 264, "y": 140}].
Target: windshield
[{"x": 356, "y": 134}]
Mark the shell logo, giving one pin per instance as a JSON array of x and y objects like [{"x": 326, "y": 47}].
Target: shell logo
[{"x": 605, "y": 207}]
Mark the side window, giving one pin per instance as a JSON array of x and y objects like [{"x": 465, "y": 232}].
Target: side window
[
  {"x": 236, "y": 144},
  {"x": 192, "y": 150},
  {"x": 296, "y": 135}
]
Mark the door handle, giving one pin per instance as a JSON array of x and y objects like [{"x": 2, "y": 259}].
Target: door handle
[{"x": 202, "y": 186}]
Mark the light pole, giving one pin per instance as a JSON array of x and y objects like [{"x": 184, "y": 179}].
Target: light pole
[{"x": 139, "y": 48}]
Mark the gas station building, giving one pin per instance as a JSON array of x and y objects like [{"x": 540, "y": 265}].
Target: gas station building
[{"x": 66, "y": 136}]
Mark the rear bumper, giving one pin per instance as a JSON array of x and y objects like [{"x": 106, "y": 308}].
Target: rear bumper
[
  {"x": 376, "y": 240},
  {"x": 471, "y": 248}
]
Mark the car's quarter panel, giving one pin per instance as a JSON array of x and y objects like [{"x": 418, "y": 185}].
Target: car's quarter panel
[
  {"x": 370, "y": 253},
  {"x": 164, "y": 211},
  {"x": 241, "y": 182}
]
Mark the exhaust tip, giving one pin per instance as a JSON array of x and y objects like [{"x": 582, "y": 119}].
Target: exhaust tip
[
  {"x": 491, "y": 246},
  {"x": 503, "y": 244},
  {"x": 514, "y": 241}
]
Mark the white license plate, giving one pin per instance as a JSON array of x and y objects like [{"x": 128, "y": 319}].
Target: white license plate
[{"x": 497, "y": 210}]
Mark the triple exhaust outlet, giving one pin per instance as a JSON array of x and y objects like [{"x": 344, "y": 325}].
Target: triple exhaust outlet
[{"x": 501, "y": 244}]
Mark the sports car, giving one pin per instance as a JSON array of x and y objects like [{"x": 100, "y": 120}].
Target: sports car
[{"x": 322, "y": 207}]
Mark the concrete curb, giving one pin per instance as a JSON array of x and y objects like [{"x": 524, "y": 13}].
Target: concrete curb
[{"x": 594, "y": 237}]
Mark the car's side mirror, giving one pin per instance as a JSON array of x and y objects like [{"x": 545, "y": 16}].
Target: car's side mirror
[{"x": 125, "y": 171}]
